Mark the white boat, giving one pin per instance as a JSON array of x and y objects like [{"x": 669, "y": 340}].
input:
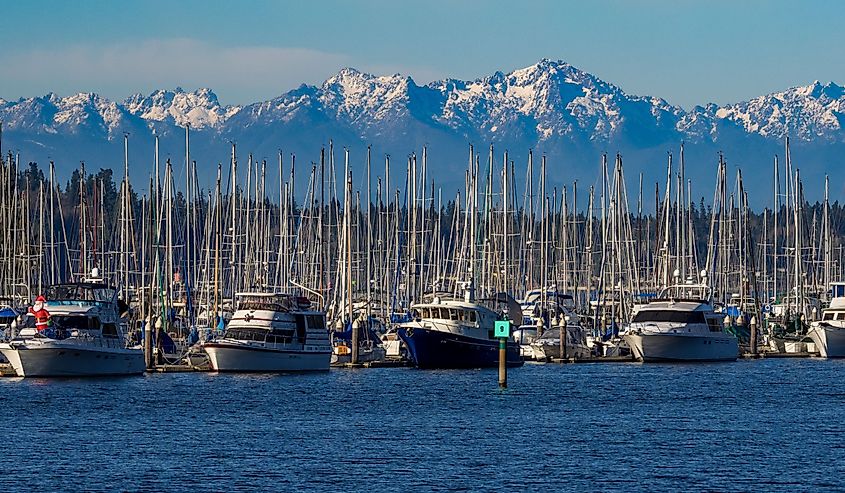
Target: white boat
[
  {"x": 392, "y": 344},
  {"x": 680, "y": 325},
  {"x": 548, "y": 346},
  {"x": 86, "y": 337},
  {"x": 370, "y": 347},
  {"x": 271, "y": 332},
  {"x": 525, "y": 335},
  {"x": 828, "y": 334}
]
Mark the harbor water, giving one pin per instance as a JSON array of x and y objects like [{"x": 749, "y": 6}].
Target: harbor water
[{"x": 769, "y": 425}]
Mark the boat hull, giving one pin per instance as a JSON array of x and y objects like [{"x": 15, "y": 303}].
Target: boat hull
[
  {"x": 365, "y": 355},
  {"x": 73, "y": 361},
  {"x": 231, "y": 358},
  {"x": 552, "y": 351},
  {"x": 682, "y": 347},
  {"x": 829, "y": 340},
  {"x": 433, "y": 349}
]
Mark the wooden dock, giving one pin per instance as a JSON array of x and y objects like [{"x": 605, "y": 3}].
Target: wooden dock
[
  {"x": 179, "y": 369},
  {"x": 388, "y": 363},
  {"x": 779, "y": 355},
  {"x": 605, "y": 359}
]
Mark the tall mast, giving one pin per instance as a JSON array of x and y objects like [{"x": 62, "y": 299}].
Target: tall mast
[
  {"x": 354, "y": 356},
  {"x": 83, "y": 231},
  {"x": 218, "y": 220},
  {"x": 189, "y": 228},
  {"x": 504, "y": 271},
  {"x": 826, "y": 232},
  {"x": 124, "y": 226},
  {"x": 369, "y": 241},
  {"x": 775, "y": 210},
  {"x": 234, "y": 201},
  {"x": 52, "y": 223}
]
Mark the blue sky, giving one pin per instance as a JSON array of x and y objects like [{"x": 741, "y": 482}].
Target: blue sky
[{"x": 685, "y": 51}]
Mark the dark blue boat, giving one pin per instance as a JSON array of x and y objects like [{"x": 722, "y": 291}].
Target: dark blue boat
[
  {"x": 432, "y": 349},
  {"x": 454, "y": 334}
]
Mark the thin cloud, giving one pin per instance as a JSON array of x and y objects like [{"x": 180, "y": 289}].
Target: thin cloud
[{"x": 238, "y": 74}]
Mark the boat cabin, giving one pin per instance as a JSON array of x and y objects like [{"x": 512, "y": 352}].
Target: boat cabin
[
  {"x": 83, "y": 293},
  {"x": 289, "y": 322},
  {"x": 687, "y": 292},
  {"x": 274, "y": 302},
  {"x": 440, "y": 312}
]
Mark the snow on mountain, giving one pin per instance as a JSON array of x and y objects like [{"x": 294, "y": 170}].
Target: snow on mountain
[
  {"x": 85, "y": 114},
  {"x": 550, "y": 106},
  {"x": 363, "y": 99},
  {"x": 806, "y": 112},
  {"x": 547, "y": 100},
  {"x": 544, "y": 100},
  {"x": 200, "y": 108}
]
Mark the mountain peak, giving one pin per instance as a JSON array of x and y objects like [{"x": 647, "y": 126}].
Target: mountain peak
[
  {"x": 550, "y": 104},
  {"x": 199, "y": 109}
]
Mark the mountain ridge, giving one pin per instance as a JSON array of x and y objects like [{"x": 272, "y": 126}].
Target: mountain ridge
[{"x": 550, "y": 106}]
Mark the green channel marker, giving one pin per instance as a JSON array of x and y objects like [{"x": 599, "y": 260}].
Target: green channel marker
[{"x": 502, "y": 328}]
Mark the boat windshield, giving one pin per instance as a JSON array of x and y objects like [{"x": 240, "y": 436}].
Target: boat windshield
[
  {"x": 76, "y": 322},
  {"x": 833, "y": 315},
  {"x": 669, "y": 316},
  {"x": 273, "y": 303},
  {"x": 88, "y": 293},
  {"x": 685, "y": 291},
  {"x": 241, "y": 334}
]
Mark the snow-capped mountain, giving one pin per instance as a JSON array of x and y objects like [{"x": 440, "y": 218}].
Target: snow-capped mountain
[
  {"x": 199, "y": 109},
  {"x": 551, "y": 106}
]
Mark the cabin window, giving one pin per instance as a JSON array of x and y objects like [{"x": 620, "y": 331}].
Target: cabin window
[
  {"x": 109, "y": 330},
  {"x": 828, "y": 316},
  {"x": 471, "y": 316},
  {"x": 247, "y": 334},
  {"x": 669, "y": 316},
  {"x": 317, "y": 322},
  {"x": 75, "y": 322},
  {"x": 281, "y": 336}
]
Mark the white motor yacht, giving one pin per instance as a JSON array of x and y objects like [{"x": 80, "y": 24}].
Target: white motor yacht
[
  {"x": 272, "y": 332},
  {"x": 829, "y": 333},
  {"x": 85, "y": 336},
  {"x": 680, "y": 325}
]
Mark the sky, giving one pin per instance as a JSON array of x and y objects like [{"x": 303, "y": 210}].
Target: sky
[{"x": 687, "y": 52}]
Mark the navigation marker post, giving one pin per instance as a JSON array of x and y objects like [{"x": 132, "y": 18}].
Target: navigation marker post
[{"x": 502, "y": 330}]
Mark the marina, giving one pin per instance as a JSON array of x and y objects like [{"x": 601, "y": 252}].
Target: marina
[
  {"x": 434, "y": 246},
  {"x": 249, "y": 276}
]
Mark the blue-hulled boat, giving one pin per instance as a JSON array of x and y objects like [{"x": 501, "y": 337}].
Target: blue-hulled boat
[{"x": 454, "y": 334}]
